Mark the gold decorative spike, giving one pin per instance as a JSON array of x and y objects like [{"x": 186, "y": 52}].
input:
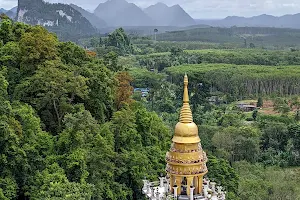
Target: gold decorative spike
[
  {"x": 186, "y": 113},
  {"x": 185, "y": 92}
]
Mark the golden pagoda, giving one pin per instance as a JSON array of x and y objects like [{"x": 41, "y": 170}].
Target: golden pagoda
[{"x": 186, "y": 161}]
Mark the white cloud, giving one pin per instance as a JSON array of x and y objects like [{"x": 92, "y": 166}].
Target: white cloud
[
  {"x": 8, "y": 4},
  {"x": 202, "y": 8}
]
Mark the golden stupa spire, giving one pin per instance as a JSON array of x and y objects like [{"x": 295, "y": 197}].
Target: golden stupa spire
[
  {"x": 186, "y": 161},
  {"x": 186, "y": 113}
]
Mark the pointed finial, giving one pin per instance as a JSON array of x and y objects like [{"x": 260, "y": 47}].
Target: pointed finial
[
  {"x": 186, "y": 113},
  {"x": 186, "y": 92}
]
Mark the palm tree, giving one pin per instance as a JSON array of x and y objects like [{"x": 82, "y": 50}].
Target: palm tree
[{"x": 155, "y": 32}]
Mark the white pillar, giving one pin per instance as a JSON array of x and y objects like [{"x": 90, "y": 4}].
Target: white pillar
[
  {"x": 161, "y": 181},
  {"x": 175, "y": 191},
  {"x": 214, "y": 197},
  {"x": 219, "y": 188},
  {"x": 213, "y": 186},
  {"x": 168, "y": 185},
  {"x": 192, "y": 193},
  {"x": 223, "y": 195},
  {"x": 208, "y": 182},
  {"x": 157, "y": 194},
  {"x": 205, "y": 191},
  {"x": 148, "y": 188},
  {"x": 152, "y": 192},
  {"x": 145, "y": 185}
]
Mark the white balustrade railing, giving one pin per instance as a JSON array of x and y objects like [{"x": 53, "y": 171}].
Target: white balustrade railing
[{"x": 160, "y": 190}]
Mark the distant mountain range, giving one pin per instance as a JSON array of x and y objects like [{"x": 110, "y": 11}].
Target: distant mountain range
[
  {"x": 164, "y": 15},
  {"x": 2, "y": 10},
  {"x": 122, "y": 13},
  {"x": 72, "y": 19},
  {"x": 10, "y": 13},
  {"x": 286, "y": 21},
  {"x": 116, "y": 13},
  {"x": 94, "y": 20}
]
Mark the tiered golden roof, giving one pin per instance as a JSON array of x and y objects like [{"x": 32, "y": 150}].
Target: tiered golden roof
[{"x": 186, "y": 161}]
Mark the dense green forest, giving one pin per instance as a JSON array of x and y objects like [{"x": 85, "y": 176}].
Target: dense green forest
[
  {"x": 69, "y": 129},
  {"x": 177, "y": 56},
  {"x": 72, "y": 127}
]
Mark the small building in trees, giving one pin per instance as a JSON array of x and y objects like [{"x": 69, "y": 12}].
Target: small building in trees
[
  {"x": 186, "y": 164},
  {"x": 144, "y": 91},
  {"x": 246, "y": 107}
]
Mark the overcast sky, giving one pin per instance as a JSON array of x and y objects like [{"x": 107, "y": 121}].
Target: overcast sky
[{"x": 202, "y": 8}]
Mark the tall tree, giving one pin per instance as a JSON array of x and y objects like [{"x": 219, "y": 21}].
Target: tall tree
[
  {"x": 260, "y": 102},
  {"x": 119, "y": 39},
  {"x": 6, "y": 30},
  {"x": 225, "y": 175},
  {"x": 52, "y": 91},
  {"x": 37, "y": 46},
  {"x": 52, "y": 183},
  {"x": 102, "y": 87},
  {"x": 71, "y": 54},
  {"x": 124, "y": 90},
  {"x": 111, "y": 61}
]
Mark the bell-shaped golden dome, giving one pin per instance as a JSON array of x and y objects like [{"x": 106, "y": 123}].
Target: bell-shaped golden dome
[{"x": 186, "y": 131}]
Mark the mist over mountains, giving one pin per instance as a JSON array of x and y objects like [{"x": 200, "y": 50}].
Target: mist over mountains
[
  {"x": 129, "y": 14},
  {"x": 285, "y": 21}
]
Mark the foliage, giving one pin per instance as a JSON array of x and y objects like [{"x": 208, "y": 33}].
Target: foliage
[
  {"x": 111, "y": 61},
  {"x": 293, "y": 145},
  {"x": 53, "y": 184},
  {"x": 37, "y": 46},
  {"x": 71, "y": 54},
  {"x": 120, "y": 40},
  {"x": 263, "y": 37},
  {"x": 160, "y": 61},
  {"x": 70, "y": 129},
  {"x": 258, "y": 182},
  {"x": 52, "y": 90},
  {"x": 236, "y": 144},
  {"x": 260, "y": 102},
  {"x": 221, "y": 172},
  {"x": 101, "y": 84},
  {"x": 241, "y": 80},
  {"x": 124, "y": 90},
  {"x": 281, "y": 106},
  {"x": 24, "y": 147},
  {"x": 254, "y": 114},
  {"x": 140, "y": 139},
  {"x": 58, "y": 122}
]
